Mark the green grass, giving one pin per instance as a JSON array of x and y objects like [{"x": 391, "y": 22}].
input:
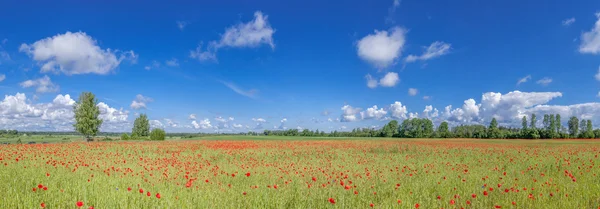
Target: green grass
[{"x": 374, "y": 165}]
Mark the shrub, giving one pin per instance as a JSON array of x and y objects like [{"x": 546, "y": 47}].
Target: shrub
[
  {"x": 134, "y": 136},
  {"x": 157, "y": 134},
  {"x": 124, "y": 136}
]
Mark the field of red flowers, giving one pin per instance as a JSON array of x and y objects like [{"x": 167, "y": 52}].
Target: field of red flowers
[{"x": 301, "y": 174}]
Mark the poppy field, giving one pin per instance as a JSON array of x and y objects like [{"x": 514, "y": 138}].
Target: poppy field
[{"x": 361, "y": 173}]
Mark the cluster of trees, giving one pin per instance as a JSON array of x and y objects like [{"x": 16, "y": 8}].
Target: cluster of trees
[
  {"x": 424, "y": 128},
  {"x": 88, "y": 123},
  {"x": 8, "y": 133}
]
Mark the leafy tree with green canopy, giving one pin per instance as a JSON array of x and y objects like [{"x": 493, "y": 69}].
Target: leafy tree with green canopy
[
  {"x": 157, "y": 134},
  {"x": 443, "y": 130},
  {"x": 573, "y": 126},
  {"x": 87, "y": 121},
  {"x": 141, "y": 126}
]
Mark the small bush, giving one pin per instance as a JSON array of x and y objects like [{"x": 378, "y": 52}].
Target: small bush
[
  {"x": 124, "y": 136},
  {"x": 157, "y": 134},
  {"x": 134, "y": 136}
]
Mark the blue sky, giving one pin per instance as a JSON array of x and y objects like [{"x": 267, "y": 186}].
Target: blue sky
[{"x": 239, "y": 66}]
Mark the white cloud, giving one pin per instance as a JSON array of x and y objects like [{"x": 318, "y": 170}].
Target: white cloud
[
  {"x": 112, "y": 115},
  {"x": 156, "y": 124},
  {"x": 238, "y": 126},
  {"x": 523, "y": 80},
  {"x": 597, "y": 76},
  {"x": 171, "y": 123},
  {"x": 382, "y": 48},
  {"x": 259, "y": 120},
  {"x": 413, "y": 91},
  {"x": 204, "y": 124},
  {"x": 75, "y": 53},
  {"x": 373, "y": 112},
  {"x": 349, "y": 113},
  {"x": 389, "y": 80},
  {"x": 434, "y": 50},
  {"x": 192, "y": 117},
  {"x": 181, "y": 24},
  {"x": 154, "y": 65},
  {"x": 42, "y": 85},
  {"x": 544, "y": 81},
  {"x": 371, "y": 82},
  {"x": 568, "y": 22},
  {"x": 590, "y": 41},
  {"x": 2, "y": 77},
  {"x": 249, "y": 93},
  {"x": 140, "y": 102},
  {"x": 426, "y": 97},
  {"x": 251, "y": 34},
  {"x": 203, "y": 55},
  {"x": 398, "y": 110},
  {"x": 172, "y": 62},
  {"x": 430, "y": 112}
]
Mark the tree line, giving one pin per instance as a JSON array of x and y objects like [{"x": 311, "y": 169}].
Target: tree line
[{"x": 552, "y": 128}]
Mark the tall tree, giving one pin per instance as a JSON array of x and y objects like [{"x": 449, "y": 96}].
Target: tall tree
[
  {"x": 87, "y": 121},
  {"x": 533, "y": 121},
  {"x": 493, "y": 131},
  {"x": 524, "y": 123},
  {"x": 589, "y": 130},
  {"x": 558, "y": 124},
  {"x": 573, "y": 126},
  {"x": 443, "y": 130},
  {"x": 392, "y": 128},
  {"x": 141, "y": 126}
]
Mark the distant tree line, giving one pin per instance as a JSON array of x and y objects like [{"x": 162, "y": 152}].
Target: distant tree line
[{"x": 424, "y": 128}]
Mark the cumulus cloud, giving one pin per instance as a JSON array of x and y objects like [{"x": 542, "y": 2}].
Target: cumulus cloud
[
  {"x": 140, "y": 102},
  {"x": 568, "y": 22},
  {"x": 389, "y": 80},
  {"x": 203, "y": 124},
  {"x": 413, "y": 91},
  {"x": 156, "y": 124},
  {"x": 371, "y": 82},
  {"x": 434, "y": 50},
  {"x": 192, "y": 117},
  {"x": 524, "y": 79},
  {"x": 382, "y": 48},
  {"x": 430, "y": 112},
  {"x": 373, "y": 112},
  {"x": 243, "y": 35},
  {"x": 349, "y": 113},
  {"x": 590, "y": 40},
  {"x": 544, "y": 81},
  {"x": 75, "y": 53},
  {"x": 398, "y": 110},
  {"x": 17, "y": 113},
  {"x": 42, "y": 85}
]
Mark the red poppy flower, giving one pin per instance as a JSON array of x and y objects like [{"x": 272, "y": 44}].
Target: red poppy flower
[
  {"x": 485, "y": 193},
  {"x": 91, "y": 207},
  {"x": 45, "y": 188},
  {"x": 34, "y": 189},
  {"x": 474, "y": 195},
  {"x": 248, "y": 174},
  {"x": 148, "y": 194},
  {"x": 452, "y": 202},
  {"x": 371, "y": 205},
  {"x": 43, "y": 205},
  {"x": 417, "y": 205},
  {"x": 158, "y": 195},
  {"x": 128, "y": 189},
  {"x": 331, "y": 200},
  {"x": 141, "y": 191},
  {"x": 40, "y": 186},
  {"x": 514, "y": 203},
  {"x": 244, "y": 193},
  {"x": 79, "y": 204},
  {"x": 498, "y": 206}
]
